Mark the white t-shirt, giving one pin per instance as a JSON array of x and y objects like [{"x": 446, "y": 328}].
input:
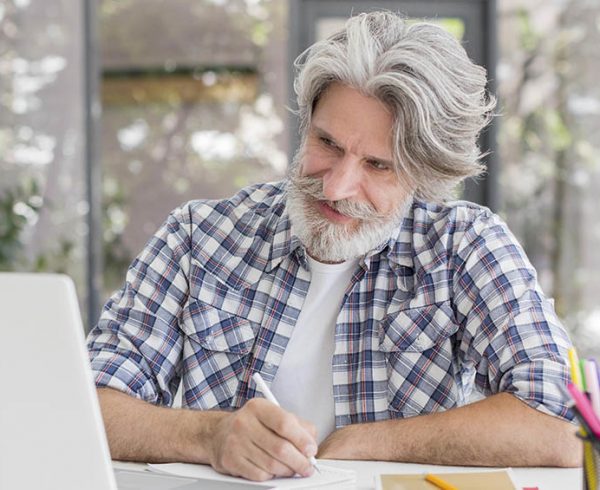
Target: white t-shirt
[{"x": 303, "y": 383}]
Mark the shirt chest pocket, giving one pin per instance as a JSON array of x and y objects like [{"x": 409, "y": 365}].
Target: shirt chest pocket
[
  {"x": 216, "y": 351},
  {"x": 216, "y": 330},
  {"x": 417, "y": 329},
  {"x": 418, "y": 347}
]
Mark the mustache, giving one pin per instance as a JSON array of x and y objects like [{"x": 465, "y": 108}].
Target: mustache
[{"x": 313, "y": 188}]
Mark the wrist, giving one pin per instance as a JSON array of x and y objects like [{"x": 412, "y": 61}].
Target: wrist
[{"x": 197, "y": 431}]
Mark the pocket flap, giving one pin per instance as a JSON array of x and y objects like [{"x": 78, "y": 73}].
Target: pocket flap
[
  {"x": 417, "y": 329},
  {"x": 217, "y": 330}
]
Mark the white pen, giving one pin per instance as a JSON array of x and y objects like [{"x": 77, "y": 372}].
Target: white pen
[{"x": 262, "y": 386}]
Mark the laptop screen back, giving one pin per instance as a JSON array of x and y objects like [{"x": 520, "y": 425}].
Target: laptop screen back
[{"x": 51, "y": 432}]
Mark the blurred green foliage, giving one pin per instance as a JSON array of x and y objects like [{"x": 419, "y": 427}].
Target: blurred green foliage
[
  {"x": 18, "y": 206},
  {"x": 116, "y": 256}
]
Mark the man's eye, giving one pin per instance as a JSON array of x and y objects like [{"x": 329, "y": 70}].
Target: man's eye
[
  {"x": 377, "y": 165},
  {"x": 328, "y": 142}
]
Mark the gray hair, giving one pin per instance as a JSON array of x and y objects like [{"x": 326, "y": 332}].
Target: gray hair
[{"x": 436, "y": 94}]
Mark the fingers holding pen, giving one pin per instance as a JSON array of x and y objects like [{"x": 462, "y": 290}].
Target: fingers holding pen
[
  {"x": 283, "y": 437},
  {"x": 260, "y": 441},
  {"x": 301, "y": 430}
]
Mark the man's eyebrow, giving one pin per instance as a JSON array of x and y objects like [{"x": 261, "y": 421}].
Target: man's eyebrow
[{"x": 320, "y": 132}]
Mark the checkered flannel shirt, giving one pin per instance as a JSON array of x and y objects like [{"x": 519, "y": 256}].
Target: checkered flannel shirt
[{"x": 448, "y": 303}]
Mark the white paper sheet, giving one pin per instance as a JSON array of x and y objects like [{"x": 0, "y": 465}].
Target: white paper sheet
[{"x": 328, "y": 476}]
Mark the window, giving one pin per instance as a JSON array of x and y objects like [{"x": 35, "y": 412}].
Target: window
[
  {"x": 43, "y": 206},
  {"x": 197, "y": 112}
]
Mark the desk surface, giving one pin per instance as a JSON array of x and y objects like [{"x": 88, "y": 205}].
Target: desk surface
[{"x": 543, "y": 478}]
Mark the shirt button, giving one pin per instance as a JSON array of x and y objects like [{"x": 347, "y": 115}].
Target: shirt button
[
  {"x": 419, "y": 342},
  {"x": 269, "y": 366},
  {"x": 209, "y": 339}
]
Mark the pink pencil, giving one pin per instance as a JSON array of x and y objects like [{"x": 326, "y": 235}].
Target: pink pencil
[
  {"x": 585, "y": 408},
  {"x": 591, "y": 378}
]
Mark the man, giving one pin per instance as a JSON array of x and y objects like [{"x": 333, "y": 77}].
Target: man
[{"x": 367, "y": 300}]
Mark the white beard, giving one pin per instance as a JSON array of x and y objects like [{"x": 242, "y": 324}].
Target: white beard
[{"x": 332, "y": 242}]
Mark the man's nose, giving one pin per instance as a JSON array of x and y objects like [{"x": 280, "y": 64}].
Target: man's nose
[{"x": 342, "y": 180}]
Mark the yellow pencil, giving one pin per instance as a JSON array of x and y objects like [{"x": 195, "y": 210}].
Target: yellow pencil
[
  {"x": 589, "y": 465},
  {"x": 575, "y": 369},
  {"x": 438, "y": 482}
]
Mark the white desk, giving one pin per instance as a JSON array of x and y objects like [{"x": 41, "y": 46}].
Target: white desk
[{"x": 543, "y": 478}]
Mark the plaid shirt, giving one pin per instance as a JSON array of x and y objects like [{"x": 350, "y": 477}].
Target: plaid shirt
[{"x": 449, "y": 303}]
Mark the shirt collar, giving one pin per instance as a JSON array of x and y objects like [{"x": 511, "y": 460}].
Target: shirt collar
[{"x": 285, "y": 243}]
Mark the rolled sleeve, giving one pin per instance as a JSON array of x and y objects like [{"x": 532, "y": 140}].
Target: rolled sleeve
[
  {"x": 531, "y": 355},
  {"x": 511, "y": 334},
  {"x": 136, "y": 346}
]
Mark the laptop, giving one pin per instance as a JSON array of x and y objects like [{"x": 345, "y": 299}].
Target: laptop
[{"x": 51, "y": 430}]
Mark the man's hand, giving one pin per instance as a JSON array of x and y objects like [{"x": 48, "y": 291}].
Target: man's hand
[{"x": 261, "y": 441}]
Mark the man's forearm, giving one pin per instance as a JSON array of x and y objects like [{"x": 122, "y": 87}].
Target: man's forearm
[
  {"x": 258, "y": 441},
  {"x": 139, "y": 431},
  {"x": 498, "y": 431}
]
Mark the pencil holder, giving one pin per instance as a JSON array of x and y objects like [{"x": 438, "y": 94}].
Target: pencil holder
[{"x": 591, "y": 466}]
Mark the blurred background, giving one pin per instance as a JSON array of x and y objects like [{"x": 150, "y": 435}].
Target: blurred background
[{"x": 112, "y": 113}]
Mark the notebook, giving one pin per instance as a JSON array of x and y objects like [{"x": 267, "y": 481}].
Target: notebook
[
  {"x": 51, "y": 430},
  {"x": 326, "y": 476},
  {"x": 479, "y": 480}
]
